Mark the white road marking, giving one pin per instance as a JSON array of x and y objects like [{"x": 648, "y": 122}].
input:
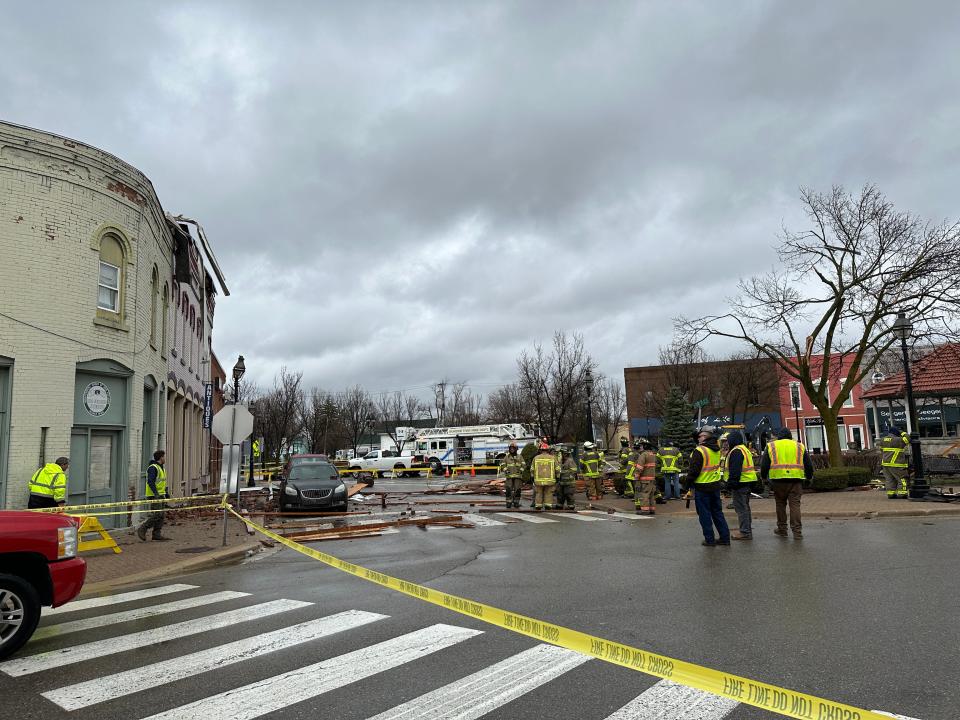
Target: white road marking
[
  {"x": 899, "y": 717},
  {"x": 526, "y": 517},
  {"x": 669, "y": 701},
  {"x": 81, "y": 695},
  {"x": 101, "y": 648},
  {"x": 576, "y": 516},
  {"x": 116, "y": 599},
  {"x": 308, "y": 682},
  {"x": 50, "y": 631},
  {"x": 621, "y": 515},
  {"x": 476, "y": 695},
  {"x": 481, "y": 521}
]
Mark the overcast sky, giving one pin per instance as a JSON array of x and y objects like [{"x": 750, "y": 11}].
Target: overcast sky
[{"x": 400, "y": 192}]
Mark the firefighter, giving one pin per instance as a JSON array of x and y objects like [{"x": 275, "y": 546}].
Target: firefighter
[
  {"x": 512, "y": 467},
  {"x": 567, "y": 482},
  {"x": 620, "y": 479},
  {"x": 895, "y": 462},
  {"x": 632, "y": 475},
  {"x": 669, "y": 457},
  {"x": 590, "y": 464},
  {"x": 48, "y": 486},
  {"x": 545, "y": 474},
  {"x": 645, "y": 475}
]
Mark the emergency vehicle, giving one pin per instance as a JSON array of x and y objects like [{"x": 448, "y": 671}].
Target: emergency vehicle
[{"x": 448, "y": 447}]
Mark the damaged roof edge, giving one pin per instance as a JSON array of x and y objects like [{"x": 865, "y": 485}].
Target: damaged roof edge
[{"x": 207, "y": 250}]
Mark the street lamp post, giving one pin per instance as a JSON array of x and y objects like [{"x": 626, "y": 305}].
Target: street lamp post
[
  {"x": 919, "y": 489},
  {"x": 588, "y": 384},
  {"x": 238, "y": 370}
]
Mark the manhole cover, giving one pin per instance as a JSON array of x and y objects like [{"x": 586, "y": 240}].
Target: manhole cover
[{"x": 194, "y": 549}]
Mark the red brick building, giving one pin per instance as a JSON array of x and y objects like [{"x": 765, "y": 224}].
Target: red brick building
[{"x": 798, "y": 410}]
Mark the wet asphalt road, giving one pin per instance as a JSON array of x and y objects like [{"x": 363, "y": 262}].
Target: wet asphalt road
[{"x": 860, "y": 611}]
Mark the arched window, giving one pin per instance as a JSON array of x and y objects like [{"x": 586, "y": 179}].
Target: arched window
[
  {"x": 154, "y": 302},
  {"x": 164, "y": 319},
  {"x": 110, "y": 284}
]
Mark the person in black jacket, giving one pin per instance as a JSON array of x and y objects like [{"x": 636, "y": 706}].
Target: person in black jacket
[
  {"x": 741, "y": 477},
  {"x": 703, "y": 477}
]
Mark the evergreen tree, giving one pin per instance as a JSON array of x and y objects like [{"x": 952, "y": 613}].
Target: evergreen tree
[{"x": 678, "y": 425}]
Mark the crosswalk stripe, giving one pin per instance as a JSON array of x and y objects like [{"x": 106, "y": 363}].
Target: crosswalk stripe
[
  {"x": 482, "y": 692},
  {"x": 667, "y": 700},
  {"x": 481, "y": 521},
  {"x": 576, "y": 516},
  {"x": 84, "y": 694},
  {"x": 621, "y": 515},
  {"x": 98, "y": 602},
  {"x": 526, "y": 517},
  {"x": 50, "y": 631},
  {"x": 108, "y": 646},
  {"x": 307, "y": 682}
]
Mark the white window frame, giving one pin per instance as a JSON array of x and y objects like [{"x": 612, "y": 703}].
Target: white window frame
[
  {"x": 848, "y": 403},
  {"x": 114, "y": 290},
  {"x": 816, "y": 386},
  {"x": 799, "y": 397}
]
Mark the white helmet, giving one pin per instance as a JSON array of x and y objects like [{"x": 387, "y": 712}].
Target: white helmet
[{"x": 588, "y": 445}]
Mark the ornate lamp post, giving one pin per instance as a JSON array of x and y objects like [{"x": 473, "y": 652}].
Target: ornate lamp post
[
  {"x": 238, "y": 370},
  {"x": 903, "y": 329},
  {"x": 588, "y": 384}
]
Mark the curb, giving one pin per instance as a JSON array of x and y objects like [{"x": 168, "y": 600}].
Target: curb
[
  {"x": 942, "y": 509},
  {"x": 217, "y": 557}
]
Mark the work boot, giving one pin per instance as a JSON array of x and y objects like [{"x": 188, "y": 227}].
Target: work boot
[
  {"x": 142, "y": 534},
  {"x": 797, "y": 535},
  {"x": 780, "y": 531},
  {"x": 737, "y": 535}
]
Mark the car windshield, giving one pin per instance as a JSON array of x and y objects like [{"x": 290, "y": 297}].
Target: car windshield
[{"x": 314, "y": 471}]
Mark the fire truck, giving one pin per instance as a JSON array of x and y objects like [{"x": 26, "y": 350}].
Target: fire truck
[{"x": 448, "y": 447}]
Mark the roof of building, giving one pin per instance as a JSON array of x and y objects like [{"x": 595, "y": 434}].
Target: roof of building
[{"x": 935, "y": 375}]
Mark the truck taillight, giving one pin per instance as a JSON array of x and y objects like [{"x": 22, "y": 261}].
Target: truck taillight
[{"x": 66, "y": 542}]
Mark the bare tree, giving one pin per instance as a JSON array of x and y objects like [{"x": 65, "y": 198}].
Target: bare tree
[
  {"x": 465, "y": 407},
  {"x": 280, "y": 411},
  {"x": 742, "y": 382},
  {"x": 609, "y": 407},
  {"x": 394, "y": 410},
  {"x": 358, "y": 414},
  {"x": 686, "y": 366},
  {"x": 553, "y": 382},
  {"x": 509, "y": 404},
  {"x": 838, "y": 291}
]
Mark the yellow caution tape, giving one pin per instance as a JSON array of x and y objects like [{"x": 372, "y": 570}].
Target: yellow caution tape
[
  {"x": 145, "y": 510},
  {"x": 789, "y": 703},
  {"x": 69, "y": 508}
]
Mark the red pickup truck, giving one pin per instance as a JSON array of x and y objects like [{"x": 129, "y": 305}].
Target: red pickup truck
[{"x": 38, "y": 566}]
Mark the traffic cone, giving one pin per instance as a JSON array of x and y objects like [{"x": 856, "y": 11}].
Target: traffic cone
[
  {"x": 446, "y": 472},
  {"x": 473, "y": 471}
]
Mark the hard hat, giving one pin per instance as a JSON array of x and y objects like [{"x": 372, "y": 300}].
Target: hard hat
[
  {"x": 544, "y": 446},
  {"x": 588, "y": 445},
  {"x": 512, "y": 445},
  {"x": 637, "y": 442},
  {"x": 708, "y": 430}
]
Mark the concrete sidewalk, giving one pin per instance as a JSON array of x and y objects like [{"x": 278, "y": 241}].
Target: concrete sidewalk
[
  {"x": 194, "y": 543},
  {"x": 842, "y": 503}
]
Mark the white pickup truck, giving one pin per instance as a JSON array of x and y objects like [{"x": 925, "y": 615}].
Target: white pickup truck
[{"x": 379, "y": 462}]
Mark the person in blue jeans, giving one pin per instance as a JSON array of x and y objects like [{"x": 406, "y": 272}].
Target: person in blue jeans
[{"x": 703, "y": 477}]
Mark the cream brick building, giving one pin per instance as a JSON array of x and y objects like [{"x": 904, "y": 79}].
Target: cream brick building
[{"x": 86, "y": 298}]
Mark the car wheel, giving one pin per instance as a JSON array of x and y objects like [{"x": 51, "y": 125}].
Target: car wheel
[
  {"x": 19, "y": 613},
  {"x": 437, "y": 466},
  {"x": 399, "y": 471},
  {"x": 340, "y": 508}
]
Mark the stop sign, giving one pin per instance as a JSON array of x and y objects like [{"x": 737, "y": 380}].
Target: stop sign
[{"x": 232, "y": 425}]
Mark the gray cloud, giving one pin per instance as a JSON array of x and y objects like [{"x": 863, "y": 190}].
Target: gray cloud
[{"x": 404, "y": 192}]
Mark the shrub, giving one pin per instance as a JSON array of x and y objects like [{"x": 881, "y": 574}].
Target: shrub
[{"x": 839, "y": 478}]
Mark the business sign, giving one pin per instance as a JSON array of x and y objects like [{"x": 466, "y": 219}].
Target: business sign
[
  {"x": 814, "y": 421},
  {"x": 207, "y": 405},
  {"x": 96, "y": 398}
]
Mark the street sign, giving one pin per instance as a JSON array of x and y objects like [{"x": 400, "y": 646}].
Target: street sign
[
  {"x": 207, "y": 405},
  {"x": 232, "y": 425},
  {"x": 702, "y": 403}
]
